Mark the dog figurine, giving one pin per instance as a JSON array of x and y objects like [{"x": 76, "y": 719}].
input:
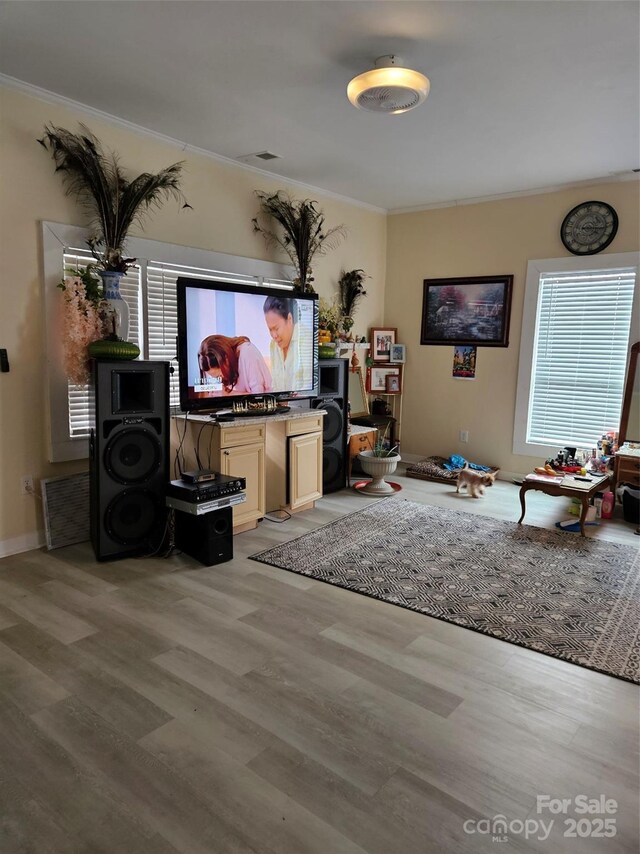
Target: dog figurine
[{"x": 474, "y": 481}]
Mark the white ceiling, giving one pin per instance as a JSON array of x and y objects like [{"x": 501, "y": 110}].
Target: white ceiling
[{"x": 524, "y": 95}]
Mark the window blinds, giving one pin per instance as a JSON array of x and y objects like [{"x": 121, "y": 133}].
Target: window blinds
[
  {"x": 579, "y": 356},
  {"x": 150, "y": 291}
]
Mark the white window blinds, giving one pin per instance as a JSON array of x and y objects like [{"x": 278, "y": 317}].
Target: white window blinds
[
  {"x": 150, "y": 287},
  {"x": 579, "y": 355}
]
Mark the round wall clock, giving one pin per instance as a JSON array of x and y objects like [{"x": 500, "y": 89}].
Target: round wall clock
[{"x": 589, "y": 228}]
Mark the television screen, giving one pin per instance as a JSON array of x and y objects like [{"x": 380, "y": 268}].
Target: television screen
[{"x": 238, "y": 341}]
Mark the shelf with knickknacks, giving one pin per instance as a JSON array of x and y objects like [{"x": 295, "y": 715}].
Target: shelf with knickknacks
[
  {"x": 336, "y": 319},
  {"x": 384, "y": 385}
]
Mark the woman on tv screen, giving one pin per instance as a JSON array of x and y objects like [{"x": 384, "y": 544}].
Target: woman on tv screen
[
  {"x": 281, "y": 316},
  {"x": 236, "y": 362},
  {"x": 238, "y": 340}
]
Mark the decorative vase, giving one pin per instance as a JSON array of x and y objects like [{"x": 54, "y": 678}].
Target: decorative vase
[
  {"x": 117, "y": 304},
  {"x": 378, "y": 468},
  {"x": 327, "y": 351},
  {"x": 109, "y": 348}
]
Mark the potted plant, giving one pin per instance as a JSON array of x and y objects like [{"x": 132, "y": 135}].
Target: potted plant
[
  {"x": 302, "y": 233},
  {"x": 379, "y": 462},
  {"x": 114, "y": 203}
]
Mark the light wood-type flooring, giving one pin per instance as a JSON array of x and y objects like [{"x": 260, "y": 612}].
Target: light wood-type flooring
[{"x": 161, "y": 706}]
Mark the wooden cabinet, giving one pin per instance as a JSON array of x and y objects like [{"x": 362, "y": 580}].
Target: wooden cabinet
[
  {"x": 240, "y": 451},
  {"x": 305, "y": 470},
  {"x": 362, "y": 438},
  {"x": 294, "y": 462},
  {"x": 280, "y": 459},
  {"x": 247, "y": 461},
  {"x": 627, "y": 470}
]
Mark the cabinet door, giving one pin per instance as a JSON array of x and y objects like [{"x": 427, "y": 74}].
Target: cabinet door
[
  {"x": 305, "y": 469},
  {"x": 247, "y": 461}
]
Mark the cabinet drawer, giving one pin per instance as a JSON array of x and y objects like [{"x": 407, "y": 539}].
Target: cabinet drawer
[
  {"x": 361, "y": 442},
  {"x": 310, "y": 424},
  {"x": 232, "y": 437},
  {"x": 628, "y": 470}
]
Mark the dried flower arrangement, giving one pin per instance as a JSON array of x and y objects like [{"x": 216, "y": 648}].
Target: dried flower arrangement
[
  {"x": 86, "y": 318},
  {"x": 112, "y": 201},
  {"x": 302, "y": 234}
]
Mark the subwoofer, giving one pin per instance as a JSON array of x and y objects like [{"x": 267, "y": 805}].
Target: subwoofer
[
  {"x": 129, "y": 457},
  {"x": 333, "y": 394},
  {"x": 207, "y": 538}
]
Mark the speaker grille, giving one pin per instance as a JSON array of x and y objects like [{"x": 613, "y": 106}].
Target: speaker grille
[
  {"x": 131, "y": 516},
  {"x": 332, "y": 468},
  {"x": 132, "y": 456},
  {"x": 333, "y": 421}
]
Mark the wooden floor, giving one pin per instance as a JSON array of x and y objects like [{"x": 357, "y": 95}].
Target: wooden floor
[{"x": 160, "y": 706}]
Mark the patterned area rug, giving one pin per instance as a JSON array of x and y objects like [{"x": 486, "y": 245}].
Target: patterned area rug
[{"x": 560, "y": 594}]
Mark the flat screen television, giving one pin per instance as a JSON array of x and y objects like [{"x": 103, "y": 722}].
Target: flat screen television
[{"x": 239, "y": 341}]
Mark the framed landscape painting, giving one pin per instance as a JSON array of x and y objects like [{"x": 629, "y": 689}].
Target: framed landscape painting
[{"x": 469, "y": 311}]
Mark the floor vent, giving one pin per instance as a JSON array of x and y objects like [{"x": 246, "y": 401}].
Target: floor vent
[{"x": 65, "y": 502}]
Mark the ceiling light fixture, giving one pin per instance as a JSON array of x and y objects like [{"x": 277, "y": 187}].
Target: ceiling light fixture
[{"x": 388, "y": 88}]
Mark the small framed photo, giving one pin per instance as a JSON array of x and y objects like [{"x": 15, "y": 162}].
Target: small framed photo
[
  {"x": 378, "y": 379},
  {"x": 392, "y": 383},
  {"x": 464, "y": 363},
  {"x": 398, "y": 354},
  {"x": 381, "y": 342}
]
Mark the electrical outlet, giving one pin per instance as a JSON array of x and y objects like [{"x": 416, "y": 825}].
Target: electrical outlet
[
  {"x": 464, "y": 435},
  {"x": 27, "y": 484}
]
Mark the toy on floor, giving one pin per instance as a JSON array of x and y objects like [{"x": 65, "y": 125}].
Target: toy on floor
[{"x": 573, "y": 525}]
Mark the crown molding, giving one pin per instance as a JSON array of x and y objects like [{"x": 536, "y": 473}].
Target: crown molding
[
  {"x": 54, "y": 98},
  {"x": 478, "y": 200}
]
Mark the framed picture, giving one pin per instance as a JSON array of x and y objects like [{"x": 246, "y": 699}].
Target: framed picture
[
  {"x": 392, "y": 382},
  {"x": 467, "y": 311},
  {"x": 378, "y": 379},
  {"x": 358, "y": 400},
  {"x": 464, "y": 362},
  {"x": 381, "y": 342},
  {"x": 398, "y": 354}
]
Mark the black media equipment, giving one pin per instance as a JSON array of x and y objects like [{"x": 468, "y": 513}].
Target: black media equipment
[
  {"x": 333, "y": 396},
  {"x": 222, "y": 486},
  {"x": 207, "y": 538},
  {"x": 128, "y": 457},
  {"x": 244, "y": 347}
]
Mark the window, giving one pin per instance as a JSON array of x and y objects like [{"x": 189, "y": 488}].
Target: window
[
  {"x": 150, "y": 291},
  {"x": 575, "y": 338}
]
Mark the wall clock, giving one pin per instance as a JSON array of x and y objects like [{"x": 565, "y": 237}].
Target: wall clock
[{"x": 589, "y": 228}]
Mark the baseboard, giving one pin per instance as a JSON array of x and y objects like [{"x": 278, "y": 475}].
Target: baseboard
[{"x": 25, "y": 543}]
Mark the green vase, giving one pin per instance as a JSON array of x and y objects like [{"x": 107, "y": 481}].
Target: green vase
[{"x": 107, "y": 348}]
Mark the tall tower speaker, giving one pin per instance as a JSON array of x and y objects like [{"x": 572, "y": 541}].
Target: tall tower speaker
[
  {"x": 129, "y": 457},
  {"x": 333, "y": 396}
]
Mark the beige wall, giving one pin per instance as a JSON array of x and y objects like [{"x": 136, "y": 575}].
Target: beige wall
[
  {"x": 222, "y": 196},
  {"x": 491, "y": 238}
]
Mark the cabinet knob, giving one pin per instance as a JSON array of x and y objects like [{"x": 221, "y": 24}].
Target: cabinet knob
[{"x": 226, "y": 453}]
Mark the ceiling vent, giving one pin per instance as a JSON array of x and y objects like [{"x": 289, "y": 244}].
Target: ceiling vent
[
  {"x": 388, "y": 88},
  {"x": 258, "y": 157}
]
